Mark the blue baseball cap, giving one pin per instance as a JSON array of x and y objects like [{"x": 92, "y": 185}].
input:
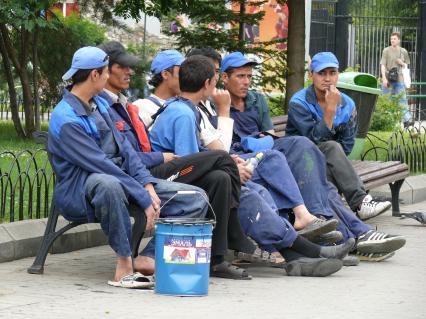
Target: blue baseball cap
[
  {"x": 86, "y": 58},
  {"x": 235, "y": 60},
  {"x": 166, "y": 59},
  {"x": 324, "y": 60}
]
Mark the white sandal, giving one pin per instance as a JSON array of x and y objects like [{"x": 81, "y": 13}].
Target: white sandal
[{"x": 133, "y": 281}]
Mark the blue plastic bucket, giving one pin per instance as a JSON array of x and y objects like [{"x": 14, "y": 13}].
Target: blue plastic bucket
[{"x": 182, "y": 256}]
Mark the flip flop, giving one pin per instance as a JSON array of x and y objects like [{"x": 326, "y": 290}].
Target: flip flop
[
  {"x": 133, "y": 281},
  {"x": 229, "y": 271}
]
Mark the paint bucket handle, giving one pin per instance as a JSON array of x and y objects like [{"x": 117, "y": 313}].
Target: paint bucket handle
[{"x": 193, "y": 192}]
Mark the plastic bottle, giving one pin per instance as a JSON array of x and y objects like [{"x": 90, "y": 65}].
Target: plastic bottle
[{"x": 252, "y": 163}]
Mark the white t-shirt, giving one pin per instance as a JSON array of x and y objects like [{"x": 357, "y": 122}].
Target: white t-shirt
[
  {"x": 225, "y": 126},
  {"x": 148, "y": 108}
]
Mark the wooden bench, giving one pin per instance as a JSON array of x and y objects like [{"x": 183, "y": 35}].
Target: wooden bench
[{"x": 372, "y": 173}]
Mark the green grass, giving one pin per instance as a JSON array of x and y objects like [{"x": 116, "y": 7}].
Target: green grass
[{"x": 22, "y": 166}]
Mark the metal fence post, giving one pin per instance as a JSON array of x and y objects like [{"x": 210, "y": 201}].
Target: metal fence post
[
  {"x": 343, "y": 19},
  {"x": 421, "y": 64}
]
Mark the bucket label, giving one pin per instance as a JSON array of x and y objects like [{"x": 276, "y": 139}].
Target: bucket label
[{"x": 178, "y": 250}]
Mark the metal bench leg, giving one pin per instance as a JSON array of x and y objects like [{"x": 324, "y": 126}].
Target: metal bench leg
[
  {"x": 137, "y": 232},
  {"x": 395, "y": 188},
  {"x": 48, "y": 238}
]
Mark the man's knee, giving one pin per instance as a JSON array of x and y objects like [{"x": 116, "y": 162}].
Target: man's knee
[
  {"x": 332, "y": 148},
  {"x": 104, "y": 185}
]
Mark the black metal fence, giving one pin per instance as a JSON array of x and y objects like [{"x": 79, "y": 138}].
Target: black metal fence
[
  {"x": 322, "y": 31},
  {"x": 406, "y": 145},
  {"x": 26, "y": 185}
]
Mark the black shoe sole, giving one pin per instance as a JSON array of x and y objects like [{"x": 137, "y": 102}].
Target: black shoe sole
[{"x": 327, "y": 227}]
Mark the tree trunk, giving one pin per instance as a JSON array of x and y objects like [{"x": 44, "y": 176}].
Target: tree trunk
[
  {"x": 241, "y": 24},
  {"x": 295, "y": 49},
  {"x": 14, "y": 108},
  {"x": 35, "y": 80},
  {"x": 20, "y": 67},
  {"x": 26, "y": 86}
]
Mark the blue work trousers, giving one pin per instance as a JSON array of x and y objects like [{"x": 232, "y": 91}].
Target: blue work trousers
[
  {"x": 260, "y": 221},
  {"x": 321, "y": 198},
  {"x": 111, "y": 206},
  {"x": 273, "y": 173}
]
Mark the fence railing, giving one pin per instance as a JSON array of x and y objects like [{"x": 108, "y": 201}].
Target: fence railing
[
  {"x": 406, "y": 145},
  {"x": 26, "y": 185},
  {"x": 6, "y": 112}
]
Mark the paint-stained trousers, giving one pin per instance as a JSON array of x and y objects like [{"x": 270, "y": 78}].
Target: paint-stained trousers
[
  {"x": 308, "y": 166},
  {"x": 259, "y": 218}
]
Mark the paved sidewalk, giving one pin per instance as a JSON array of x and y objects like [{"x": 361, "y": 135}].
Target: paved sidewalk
[{"x": 74, "y": 286}]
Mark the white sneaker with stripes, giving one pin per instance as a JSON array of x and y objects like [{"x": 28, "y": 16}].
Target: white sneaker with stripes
[
  {"x": 377, "y": 242},
  {"x": 375, "y": 257},
  {"x": 370, "y": 208}
]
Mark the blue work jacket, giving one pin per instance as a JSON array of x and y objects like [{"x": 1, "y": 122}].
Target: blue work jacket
[
  {"x": 121, "y": 119},
  {"x": 75, "y": 150},
  {"x": 306, "y": 118}
]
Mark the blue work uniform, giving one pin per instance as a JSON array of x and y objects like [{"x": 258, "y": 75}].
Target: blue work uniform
[
  {"x": 176, "y": 129},
  {"x": 307, "y": 165},
  {"x": 99, "y": 174},
  {"x": 306, "y": 118}
]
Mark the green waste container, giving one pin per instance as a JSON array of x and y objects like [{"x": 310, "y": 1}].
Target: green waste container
[{"x": 362, "y": 88}]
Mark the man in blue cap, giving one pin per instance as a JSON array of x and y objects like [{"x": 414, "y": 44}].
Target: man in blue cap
[
  {"x": 99, "y": 177},
  {"x": 328, "y": 118},
  {"x": 165, "y": 80}
]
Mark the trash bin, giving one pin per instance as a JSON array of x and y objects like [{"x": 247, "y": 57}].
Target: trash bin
[{"x": 362, "y": 88}]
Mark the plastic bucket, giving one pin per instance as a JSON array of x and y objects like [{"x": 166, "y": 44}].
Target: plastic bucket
[{"x": 182, "y": 256}]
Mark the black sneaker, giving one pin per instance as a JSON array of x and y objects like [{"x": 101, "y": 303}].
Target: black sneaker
[
  {"x": 312, "y": 267},
  {"x": 328, "y": 238},
  {"x": 377, "y": 242}
]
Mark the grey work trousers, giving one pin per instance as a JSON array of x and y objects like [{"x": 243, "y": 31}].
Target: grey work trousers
[{"x": 342, "y": 174}]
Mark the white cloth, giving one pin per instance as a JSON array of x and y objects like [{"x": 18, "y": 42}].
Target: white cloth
[
  {"x": 147, "y": 108},
  {"x": 406, "y": 77},
  {"x": 223, "y": 133}
]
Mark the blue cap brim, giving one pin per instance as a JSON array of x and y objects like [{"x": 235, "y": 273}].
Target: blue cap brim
[
  {"x": 239, "y": 65},
  {"x": 325, "y": 66},
  {"x": 68, "y": 75}
]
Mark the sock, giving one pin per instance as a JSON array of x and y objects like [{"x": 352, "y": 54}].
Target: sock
[
  {"x": 306, "y": 248},
  {"x": 289, "y": 254}
]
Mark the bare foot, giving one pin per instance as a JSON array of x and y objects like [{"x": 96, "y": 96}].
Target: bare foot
[
  {"x": 302, "y": 217},
  {"x": 124, "y": 267},
  {"x": 145, "y": 265}
]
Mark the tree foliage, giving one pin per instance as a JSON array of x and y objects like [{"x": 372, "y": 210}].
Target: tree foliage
[
  {"x": 207, "y": 28},
  {"x": 56, "y": 48},
  {"x": 20, "y": 25}
]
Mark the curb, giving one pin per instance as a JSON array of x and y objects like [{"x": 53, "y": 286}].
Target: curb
[
  {"x": 22, "y": 239},
  {"x": 413, "y": 190}
]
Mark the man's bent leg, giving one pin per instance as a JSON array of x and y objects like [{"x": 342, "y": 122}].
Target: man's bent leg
[
  {"x": 110, "y": 204},
  {"x": 109, "y": 201},
  {"x": 342, "y": 174},
  {"x": 259, "y": 219}
]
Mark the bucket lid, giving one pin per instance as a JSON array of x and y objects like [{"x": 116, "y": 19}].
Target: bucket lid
[{"x": 185, "y": 221}]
